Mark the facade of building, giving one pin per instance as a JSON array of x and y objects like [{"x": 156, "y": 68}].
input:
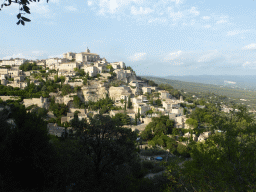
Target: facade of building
[
  {"x": 164, "y": 94},
  {"x": 67, "y": 66},
  {"x": 69, "y": 55},
  {"x": 12, "y": 62},
  {"x": 53, "y": 61},
  {"x": 92, "y": 70},
  {"x": 146, "y": 90},
  {"x": 14, "y": 73},
  {"x": 87, "y": 56}
]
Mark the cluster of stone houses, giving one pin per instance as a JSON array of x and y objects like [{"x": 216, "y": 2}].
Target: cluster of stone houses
[{"x": 98, "y": 88}]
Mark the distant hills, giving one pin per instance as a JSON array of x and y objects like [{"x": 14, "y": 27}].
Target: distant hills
[
  {"x": 234, "y": 81},
  {"x": 238, "y": 88}
]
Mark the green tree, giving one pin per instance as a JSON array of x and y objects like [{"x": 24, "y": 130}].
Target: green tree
[
  {"x": 8, "y": 66},
  {"x": 25, "y": 148},
  {"x": 66, "y": 89},
  {"x": 129, "y": 102},
  {"x": 41, "y": 112},
  {"x": 149, "y": 112},
  {"x": 23, "y": 9},
  {"x": 79, "y": 125},
  {"x": 76, "y": 101},
  {"x": 62, "y": 79},
  {"x": 84, "y": 81},
  {"x": 169, "y": 126},
  {"x": 122, "y": 119},
  {"x": 109, "y": 148},
  {"x": 158, "y": 102},
  {"x": 160, "y": 128},
  {"x": 147, "y": 133},
  {"x": 192, "y": 123}
]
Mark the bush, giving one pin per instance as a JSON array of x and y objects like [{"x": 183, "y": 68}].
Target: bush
[
  {"x": 183, "y": 150},
  {"x": 66, "y": 89},
  {"x": 29, "y": 66}
]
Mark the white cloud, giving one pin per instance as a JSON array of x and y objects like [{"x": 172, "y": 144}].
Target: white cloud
[
  {"x": 236, "y": 32},
  {"x": 138, "y": 57},
  {"x": 221, "y": 21},
  {"x": 251, "y": 46},
  {"x": 174, "y": 15},
  {"x": 19, "y": 55},
  {"x": 71, "y": 8},
  {"x": 113, "y": 6},
  {"x": 36, "y": 52},
  {"x": 157, "y": 20},
  {"x": 172, "y": 56},
  {"x": 177, "y": 1},
  {"x": 207, "y": 26},
  {"x": 40, "y": 8},
  {"x": 213, "y": 55},
  {"x": 141, "y": 11},
  {"x": 54, "y": 1},
  {"x": 89, "y": 3},
  {"x": 55, "y": 56},
  {"x": 206, "y": 17},
  {"x": 194, "y": 11},
  {"x": 154, "y": 11}
]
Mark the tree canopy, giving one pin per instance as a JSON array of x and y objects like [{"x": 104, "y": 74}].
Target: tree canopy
[{"x": 23, "y": 9}]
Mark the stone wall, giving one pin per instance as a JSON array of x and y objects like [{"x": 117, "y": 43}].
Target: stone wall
[
  {"x": 40, "y": 102},
  {"x": 117, "y": 92},
  {"x": 94, "y": 93},
  {"x": 72, "y": 110},
  {"x": 64, "y": 99},
  {"x": 5, "y": 98},
  {"x": 75, "y": 84}
]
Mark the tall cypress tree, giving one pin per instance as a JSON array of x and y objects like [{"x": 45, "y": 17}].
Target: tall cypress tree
[{"x": 125, "y": 103}]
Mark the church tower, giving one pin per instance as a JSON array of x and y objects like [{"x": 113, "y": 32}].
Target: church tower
[{"x": 87, "y": 50}]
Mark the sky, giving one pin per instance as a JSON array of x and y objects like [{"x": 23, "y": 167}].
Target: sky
[{"x": 154, "y": 37}]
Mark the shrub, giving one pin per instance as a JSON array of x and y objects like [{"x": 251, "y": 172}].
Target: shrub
[{"x": 183, "y": 150}]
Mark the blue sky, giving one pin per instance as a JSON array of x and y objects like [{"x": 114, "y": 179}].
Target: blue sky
[{"x": 154, "y": 37}]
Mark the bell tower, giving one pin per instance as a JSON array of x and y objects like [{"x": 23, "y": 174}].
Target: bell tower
[{"x": 87, "y": 50}]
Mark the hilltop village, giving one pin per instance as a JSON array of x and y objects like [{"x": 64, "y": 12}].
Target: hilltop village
[
  {"x": 81, "y": 122},
  {"x": 86, "y": 79}
]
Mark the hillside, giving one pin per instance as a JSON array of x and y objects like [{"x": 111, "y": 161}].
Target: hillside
[
  {"x": 244, "y": 82},
  {"x": 197, "y": 88}
]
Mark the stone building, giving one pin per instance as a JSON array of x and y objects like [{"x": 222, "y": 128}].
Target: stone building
[
  {"x": 118, "y": 65},
  {"x": 69, "y": 55},
  {"x": 54, "y": 61},
  {"x": 67, "y": 66},
  {"x": 117, "y": 93},
  {"x": 164, "y": 94},
  {"x": 125, "y": 75},
  {"x": 12, "y": 62},
  {"x": 87, "y": 56},
  {"x": 3, "y": 71}
]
